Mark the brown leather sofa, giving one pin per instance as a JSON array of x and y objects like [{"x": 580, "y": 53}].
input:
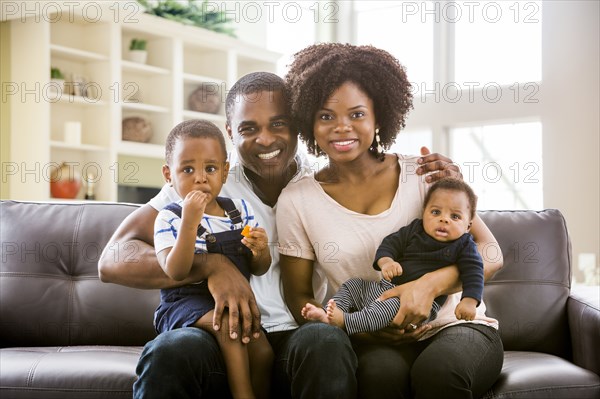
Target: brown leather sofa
[{"x": 65, "y": 334}]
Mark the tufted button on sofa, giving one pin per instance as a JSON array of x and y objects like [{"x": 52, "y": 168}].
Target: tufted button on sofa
[{"x": 65, "y": 334}]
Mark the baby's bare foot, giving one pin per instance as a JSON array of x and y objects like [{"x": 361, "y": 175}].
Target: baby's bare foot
[
  {"x": 335, "y": 315},
  {"x": 312, "y": 312}
]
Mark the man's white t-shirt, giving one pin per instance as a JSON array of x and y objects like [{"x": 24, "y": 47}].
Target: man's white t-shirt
[{"x": 267, "y": 288}]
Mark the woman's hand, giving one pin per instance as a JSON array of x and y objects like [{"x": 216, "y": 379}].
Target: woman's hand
[
  {"x": 437, "y": 165},
  {"x": 396, "y": 336},
  {"x": 416, "y": 300}
]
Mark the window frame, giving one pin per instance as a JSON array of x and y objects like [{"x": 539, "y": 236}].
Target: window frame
[{"x": 519, "y": 102}]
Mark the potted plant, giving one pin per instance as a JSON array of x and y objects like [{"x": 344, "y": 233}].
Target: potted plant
[
  {"x": 137, "y": 51},
  {"x": 193, "y": 12},
  {"x": 57, "y": 77}
]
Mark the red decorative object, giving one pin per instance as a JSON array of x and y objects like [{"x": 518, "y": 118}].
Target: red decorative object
[{"x": 65, "y": 182}]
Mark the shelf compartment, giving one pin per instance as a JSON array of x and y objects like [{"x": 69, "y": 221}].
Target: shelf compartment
[
  {"x": 97, "y": 164},
  {"x": 202, "y": 61},
  {"x": 153, "y": 90},
  {"x": 161, "y": 123},
  {"x": 74, "y": 38},
  {"x": 213, "y": 88},
  {"x": 94, "y": 122},
  {"x": 83, "y": 71},
  {"x": 159, "y": 48}
]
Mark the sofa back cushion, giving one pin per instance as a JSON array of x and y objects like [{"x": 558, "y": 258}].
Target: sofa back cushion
[
  {"x": 529, "y": 294},
  {"x": 50, "y": 294}
]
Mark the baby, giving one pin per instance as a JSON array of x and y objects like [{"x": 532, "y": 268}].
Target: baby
[{"x": 440, "y": 239}]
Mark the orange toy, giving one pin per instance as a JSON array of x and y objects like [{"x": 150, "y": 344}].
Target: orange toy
[{"x": 246, "y": 231}]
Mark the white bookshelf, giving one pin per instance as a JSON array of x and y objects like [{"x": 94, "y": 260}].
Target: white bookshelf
[{"x": 180, "y": 59}]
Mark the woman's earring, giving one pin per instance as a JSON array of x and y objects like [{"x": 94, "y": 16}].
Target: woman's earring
[
  {"x": 316, "y": 150},
  {"x": 378, "y": 140}
]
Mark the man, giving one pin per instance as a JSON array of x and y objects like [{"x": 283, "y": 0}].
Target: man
[{"x": 311, "y": 361}]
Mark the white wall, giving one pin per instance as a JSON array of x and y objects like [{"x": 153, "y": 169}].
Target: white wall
[{"x": 570, "y": 116}]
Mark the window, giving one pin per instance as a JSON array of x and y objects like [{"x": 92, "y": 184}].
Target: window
[
  {"x": 410, "y": 142},
  {"x": 502, "y": 163},
  {"x": 479, "y": 43},
  {"x": 395, "y": 27},
  {"x": 292, "y": 29},
  {"x": 497, "y": 41},
  {"x": 401, "y": 29}
]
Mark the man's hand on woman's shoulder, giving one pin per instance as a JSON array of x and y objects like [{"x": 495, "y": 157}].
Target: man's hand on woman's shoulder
[{"x": 436, "y": 166}]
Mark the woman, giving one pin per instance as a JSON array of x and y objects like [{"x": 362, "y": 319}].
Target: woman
[{"x": 349, "y": 102}]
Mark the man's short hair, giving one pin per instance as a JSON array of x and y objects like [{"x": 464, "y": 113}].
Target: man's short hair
[{"x": 253, "y": 83}]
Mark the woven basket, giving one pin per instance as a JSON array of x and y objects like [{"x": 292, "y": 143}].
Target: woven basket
[
  {"x": 205, "y": 99},
  {"x": 137, "y": 129}
]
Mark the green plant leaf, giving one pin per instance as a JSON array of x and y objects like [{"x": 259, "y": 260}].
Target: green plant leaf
[
  {"x": 55, "y": 73},
  {"x": 193, "y": 13}
]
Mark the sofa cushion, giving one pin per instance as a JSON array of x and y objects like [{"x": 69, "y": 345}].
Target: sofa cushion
[
  {"x": 68, "y": 372},
  {"x": 49, "y": 272},
  {"x": 530, "y": 375},
  {"x": 529, "y": 294}
]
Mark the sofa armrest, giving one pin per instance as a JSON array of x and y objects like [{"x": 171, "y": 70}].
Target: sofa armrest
[{"x": 584, "y": 323}]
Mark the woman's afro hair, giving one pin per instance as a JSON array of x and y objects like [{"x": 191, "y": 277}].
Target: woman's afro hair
[{"x": 318, "y": 70}]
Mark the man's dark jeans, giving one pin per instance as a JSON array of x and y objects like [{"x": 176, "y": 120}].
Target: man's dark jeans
[{"x": 313, "y": 361}]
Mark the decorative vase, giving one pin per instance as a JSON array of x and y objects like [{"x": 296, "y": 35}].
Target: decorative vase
[
  {"x": 65, "y": 182},
  {"x": 139, "y": 56},
  {"x": 137, "y": 129}
]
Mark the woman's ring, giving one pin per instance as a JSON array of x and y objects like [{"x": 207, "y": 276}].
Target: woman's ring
[{"x": 413, "y": 326}]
